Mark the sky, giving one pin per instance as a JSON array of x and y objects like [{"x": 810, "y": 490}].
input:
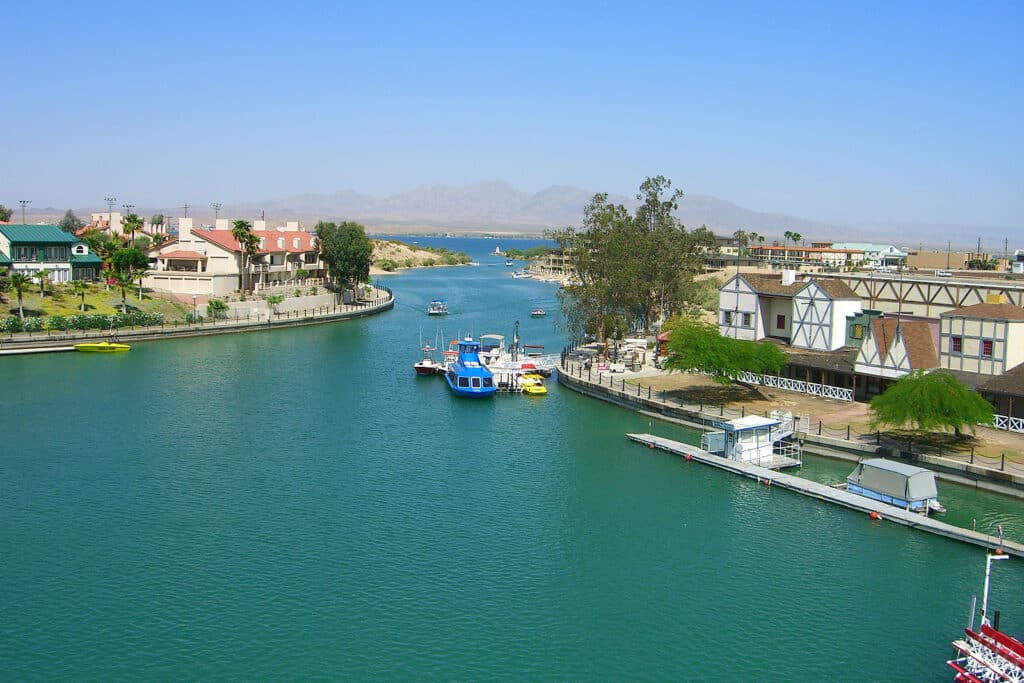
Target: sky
[{"x": 841, "y": 112}]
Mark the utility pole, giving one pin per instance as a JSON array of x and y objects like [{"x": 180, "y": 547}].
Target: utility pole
[
  {"x": 216, "y": 211},
  {"x": 24, "y": 203},
  {"x": 110, "y": 201},
  {"x": 186, "y": 207},
  {"x": 948, "y": 244}
]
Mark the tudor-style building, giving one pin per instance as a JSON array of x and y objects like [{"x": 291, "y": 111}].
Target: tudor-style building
[
  {"x": 983, "y": 339},
  {"x": 808, "y": 314}
]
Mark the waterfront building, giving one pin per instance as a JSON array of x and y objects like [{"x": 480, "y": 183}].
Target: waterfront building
[
  {"x": 32, "y": 248},
  {"x": 813, "y": 257},
  {"x": 808, "y": 314},
  {"x": 894, "y": 347},
  {"x": 209, "y": 261},
  {"x": 983, "y": 339},
  {"x": 877, "y": 255}
]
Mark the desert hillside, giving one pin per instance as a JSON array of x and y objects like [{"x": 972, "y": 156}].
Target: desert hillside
[{"x": 391, "y": 255}]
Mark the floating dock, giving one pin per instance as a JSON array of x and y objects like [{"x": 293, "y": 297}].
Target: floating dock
[
  {"x": 36, "y": 349},
  {"x": 830, "y": 494}
]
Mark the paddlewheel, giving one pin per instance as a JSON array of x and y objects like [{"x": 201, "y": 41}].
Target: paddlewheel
[{"x": 988, "y": 656}]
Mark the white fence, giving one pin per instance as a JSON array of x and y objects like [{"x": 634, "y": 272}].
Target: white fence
[
  {"x": 788, "y": 384},
  {"x": 1010, "y": 424}
]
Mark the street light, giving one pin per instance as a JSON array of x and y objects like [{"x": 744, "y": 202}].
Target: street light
[
  {"x": 193, "y": 308},
  {"x": 110, "y": 208},
  {"x": 24, "y": 203},
  {"x": 216, "y": 211}
]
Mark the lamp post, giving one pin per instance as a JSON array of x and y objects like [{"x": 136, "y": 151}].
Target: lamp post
[
  {"x": 24, "y": 203},
  {"x": 216, "y": 212},
  {"x": 193, "y": 308},
  {"x": 110, "y": 201},
  {"x": 127, "y": 212}
]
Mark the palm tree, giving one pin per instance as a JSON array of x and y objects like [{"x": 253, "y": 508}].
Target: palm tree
[
  {"x": 42, "y": 275},
  {"x": 796, "y": 237},
  {"x": 20, "y": 282},
  {"x": 124, "y": 280},
  {"x": 132, "y": 223},
  {"x": 252, "y": 246},
  {"x": 242, "y": 231},
  {"x": 788, "y": 235},
  {"x": 742, "y": 239},
  {"x": 80, "y": 287}
]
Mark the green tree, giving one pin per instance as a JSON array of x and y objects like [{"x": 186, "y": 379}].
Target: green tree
[
  {"x": 274, "y": 300},
  {"x": 132, "y": 224},
  {"x": 742, "y": 238},
  {"x": 301, "y": 274},
  {"x": 930, "y": 400},
  {"x": 142, "y": 242},
  {"x": 124, "y": 280},
  {"x": 101, "y": 244},
  {"x": 80, "y": 287},
  {"x": 156, "y": 219},
  {"x": 217, "y": 309},
  {"x": 346, "y": 250},
  {"x": 131, "y": 263},
  {"x": 70, "y": 223},
  {"x": 43, "y": 276},
  {"x": 5, "y": 213},
  {"x": 696, "y": 345},
  {"x": 20, "y": 282},
  {"x": 248, "y": 244}
]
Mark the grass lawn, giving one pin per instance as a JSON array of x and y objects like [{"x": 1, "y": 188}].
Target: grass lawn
[{"x": 60, "y": 299}]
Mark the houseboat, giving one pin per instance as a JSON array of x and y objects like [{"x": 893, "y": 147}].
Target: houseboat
[
  {"x": 466, "y": 375},
  {"x": 896, "y": 483},
  {"x": 763, "y": 441},
  {"x": 437, "y": 307}
]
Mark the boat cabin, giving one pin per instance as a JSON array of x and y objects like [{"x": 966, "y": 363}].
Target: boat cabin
[
  {"x": 895, "y": 483},
  {"x": 756, "y": 440}
]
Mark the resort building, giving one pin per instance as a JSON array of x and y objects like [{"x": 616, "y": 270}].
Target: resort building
[
  {"x": 983, "y": 339},
  {"x": 814, "y": 257},
  {"x": 209, "y": 260},
  {"x": 808, "y": 314},
  {"x": 877, "y": 255},
  {"x": 30, "y": 249}
]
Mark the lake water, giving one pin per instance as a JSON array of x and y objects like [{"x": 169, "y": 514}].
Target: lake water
[{"x": 297, "y": 505}]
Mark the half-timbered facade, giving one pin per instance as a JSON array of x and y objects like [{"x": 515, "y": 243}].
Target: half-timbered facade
[
  {"x": 893, "y": 348},
  {"x": 986, "y": 338},
  {"x": 820, "y": 310}
]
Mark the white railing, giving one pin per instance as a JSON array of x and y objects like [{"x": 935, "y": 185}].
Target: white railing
[
  {"x": 1010, "y": 424},
  {"x": 788, "y": 384}
]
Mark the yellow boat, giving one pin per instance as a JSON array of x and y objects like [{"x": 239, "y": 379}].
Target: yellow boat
[
  {"x": 533, "y": 385},
  {"x": 102, "y": 347}
]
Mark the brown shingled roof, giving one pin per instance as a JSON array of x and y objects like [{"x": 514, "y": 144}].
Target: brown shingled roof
[
  {"x": 990, "y": 311},
  {"x": 917, "y": 336},
  {"x": 1010, "y": 383},
  {"x": 771, "y": 284},
  {"x": 837, "y": 289}
]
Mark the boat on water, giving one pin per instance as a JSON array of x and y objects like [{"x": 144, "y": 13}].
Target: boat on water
[
  {"x": 987, "y": 654},
  {"x": 466, "y": 374},
  {"x": 437, "y": 307},
  {"x": 428, "y": 366},
  {"x": 895, "y": 483},
  {"x": 492, "y": 349},
  {"x": 537, "y": 313},
  {"x": 763, "y": 441},
  {"x": 532, "y": 385},
  {"x": 102, "y": 347},
  {"x": 522, "y": 274},
  {"x": 509, "y": 263}
]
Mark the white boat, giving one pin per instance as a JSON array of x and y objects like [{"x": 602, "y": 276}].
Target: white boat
[
  {"x": 521, "y": 273},
  {"x": 763, "y": 441},
  {"x": 437, "y": 307},
  {"x": 896, "y": 483}
]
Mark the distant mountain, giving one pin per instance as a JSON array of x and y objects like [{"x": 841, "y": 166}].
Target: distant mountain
[{"x": 498, "y": 205}]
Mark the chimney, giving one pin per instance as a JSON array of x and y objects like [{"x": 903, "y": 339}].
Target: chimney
[
  {"x": 222, "y": 224},
  {"x": 259, "y": 225},
  {"x": 184, "y": 229},
  {"x": 788, "y": 277},
  {"x": 291, "y": 226}
]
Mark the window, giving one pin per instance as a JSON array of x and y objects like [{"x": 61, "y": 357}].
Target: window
[
  {"x": 727, "y": 317},
  {"x": 280, "y": 243},
  {"x": 956, "y": 344},
  {"x": 24, "y": 253},
  {"x": 986, "y": 348},
  {"x": 780, "y": 322},
  {"x": 747, "y": 320},
  {"x": 295, "y": 243},
  {"x": 56, "y": 253},
  {"x": 857, "y": 331}
]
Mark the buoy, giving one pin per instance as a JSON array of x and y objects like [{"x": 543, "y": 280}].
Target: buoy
[
  {"x": 875, "y": 515},
  {"x": 651, "y": 445},
  {"x": 688, "y": 457},
  {"x": 999, "y": 551}
]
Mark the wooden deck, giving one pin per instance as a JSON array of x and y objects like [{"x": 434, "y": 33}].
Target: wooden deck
[{"x": 829, "y": 494}]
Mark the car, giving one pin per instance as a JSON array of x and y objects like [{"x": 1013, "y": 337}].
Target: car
[{"x": 943, "y": 273}]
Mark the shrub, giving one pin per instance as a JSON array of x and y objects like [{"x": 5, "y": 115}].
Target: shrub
[
  {"x": 298, "y": 292},
  {"x": 32, "y": 325},
  {"x": 387, "y": 264},
  {"x": 11, "y": 324},
  {"x": 59, "y": 322},
  {"x": 217, "y": 308}
]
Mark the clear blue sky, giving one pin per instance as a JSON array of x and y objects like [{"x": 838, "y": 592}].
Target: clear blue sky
[{"x": 847, "y": 113}]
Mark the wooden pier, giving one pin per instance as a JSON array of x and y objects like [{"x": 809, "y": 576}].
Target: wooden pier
[
  {"x": 830, "y": 494},
  {"x": 36, "y": 349}
]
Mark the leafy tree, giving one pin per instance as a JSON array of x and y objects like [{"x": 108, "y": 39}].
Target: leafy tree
[
  {"x": 131, "y": 263},
  {"x": 742, "y": 238},
  {"x": 101, "y": 244},
  {"x": 346, "y": 250},
  {"x": 80, "y": 287},
  {"x": 70, "y": 223},
  {"x": 5, "y": 213},
  {"x": 19, "y": 282},
  {"x": 156, "y": 219},
  {"x": 696, "y": 345},
  {"x": 931, "y": 400},
  {"x": 217, "y": 309},
  {"x": 301, "y": 274},
  {"x": 142, "y": 242}
]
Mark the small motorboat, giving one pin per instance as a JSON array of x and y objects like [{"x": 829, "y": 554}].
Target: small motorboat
[
  {"x": 437, "y": 307},
  {"x": 532, "y": 385},
  {"x": 102, "y": 347},
  {"x": 428, "y": 366},
  {"x": 509, "y": 263},
  {"x": 537, "y": 313}
]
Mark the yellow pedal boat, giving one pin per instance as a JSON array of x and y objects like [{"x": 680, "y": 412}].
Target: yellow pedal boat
[
  {"x": 102, "y": 347},
  {"x": 533, "y": 385}
]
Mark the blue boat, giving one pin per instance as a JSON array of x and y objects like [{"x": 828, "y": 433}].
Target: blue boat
[{"x": 466, "y": 375}]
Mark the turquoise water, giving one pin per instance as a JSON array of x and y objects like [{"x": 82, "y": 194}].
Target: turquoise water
[{"x": 297, "y": 505}]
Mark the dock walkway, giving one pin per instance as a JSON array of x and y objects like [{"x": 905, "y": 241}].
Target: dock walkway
[{"x": 827, "y": 493}]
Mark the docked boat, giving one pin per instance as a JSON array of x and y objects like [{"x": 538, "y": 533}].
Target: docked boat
[
  {"x": 987, "y": 654},
  {"x": 492, "y": 349},
  {"x": 764, "y": 441},
  {"x": 466, "y": 375},
  {"x": 522, "y": 274},
  {"x": 102, "y": 347},
  {"x": 895, "y": 483},
  {"x": 537, "y": 313},
  {"x": 428, "y": 366},
  {"x": 532, "y": 385},
  {"x": 437, "y": 307}
]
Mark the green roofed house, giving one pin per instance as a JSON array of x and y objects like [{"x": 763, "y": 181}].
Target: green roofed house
[{"x": 32, "y": 248}]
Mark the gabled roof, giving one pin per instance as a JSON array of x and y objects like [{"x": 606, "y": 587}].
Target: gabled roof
[
  {"x": 917, "y": 337},
  {"x": 1010, "y": 382},
  {"x": 989, "y": 311},
  {"x": 36, "y": 234},
  {"x": 837, "y": 289},
  {"x": 5, "y": 260},
  {"x": 183, "y": 254},
  {"x": 85, "y": 259},
  {"x": 771, "y": 284}
]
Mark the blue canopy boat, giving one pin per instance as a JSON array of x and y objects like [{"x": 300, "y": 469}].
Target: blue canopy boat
[{"x": 466, "y": 375}]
